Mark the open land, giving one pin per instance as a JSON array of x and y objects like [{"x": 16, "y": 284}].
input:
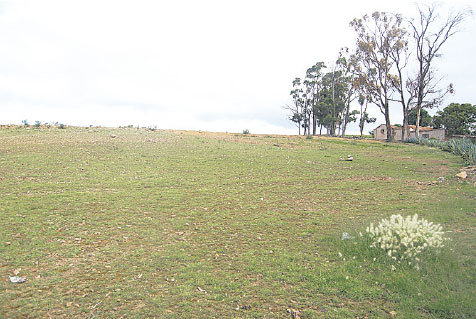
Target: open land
[{"x": 135, "y": 223}]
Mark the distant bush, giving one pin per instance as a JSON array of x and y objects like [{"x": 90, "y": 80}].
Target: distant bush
[
  {"x": 463, "y": 147},
  {"x": 246, "y": 131},
  {"x": 309, "y": 137},
  {"x": 25, "y": 122},
  {"x": 37, "y": 124},
  {"x": 61, "y": 126}
]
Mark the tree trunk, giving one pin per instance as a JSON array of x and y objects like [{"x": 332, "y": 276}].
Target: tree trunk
[
  {"x": 309, "y": 125},
  {"x": 417, "y": 131},
  {"x": 320, "y": 130},
  {"x": 387, "y": 124},
  {"x": 346, "y": 119},
  {"x": 405, "y": 132},
  {"x": 314, "y": 124}
]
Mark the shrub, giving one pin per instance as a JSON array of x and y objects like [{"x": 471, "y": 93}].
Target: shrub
[
  {"x": 463, "y": 147},
  {"x": 37, "y": 124},
  {"x": 61, "y": 126},
  {"x": 404, "y": 239},
  {"x": 246, "y": 131},
  {"x": 308, "y": 137}
]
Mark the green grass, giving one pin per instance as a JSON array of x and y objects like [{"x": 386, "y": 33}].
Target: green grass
[{"x": 132, "y": 226}]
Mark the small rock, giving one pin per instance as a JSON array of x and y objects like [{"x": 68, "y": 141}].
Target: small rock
[
  {"x": 441, "y": 179},
  {"x": 17, "y": 279},
  {"x": 201, "y": 290},
  {"x": 462, "y": 175},
  {"x": 346, "y": 236},
  {"x": 113, "y": 136},
  {"x": 393, "y": 313},
  {"x": 295, "y": 314}
]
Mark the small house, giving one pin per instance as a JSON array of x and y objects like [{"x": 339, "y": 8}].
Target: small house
[{"x": 380, "y": 132}]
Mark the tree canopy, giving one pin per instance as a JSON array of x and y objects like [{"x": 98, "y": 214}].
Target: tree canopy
[{"x": 457, "y": 119}]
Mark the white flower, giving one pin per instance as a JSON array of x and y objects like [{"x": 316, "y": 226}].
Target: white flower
[{"x": 405, "y": 238}]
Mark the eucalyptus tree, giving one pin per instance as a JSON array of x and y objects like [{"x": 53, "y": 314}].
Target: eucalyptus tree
[
  {"x": 298, "y": 104},
  {"x": 430, "y": 33},
  {"x": 331, "y": 103},
  {"x": 376, "y": 38},
  {"x": 349, "y": 78},
  {"x": 402, "y": 84},
  {"x": 314, "y": 76}
]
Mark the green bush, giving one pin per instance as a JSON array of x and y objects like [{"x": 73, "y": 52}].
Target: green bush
[
  {"x": 463, "y": 147},
  {"x": 246, "y": 131}
]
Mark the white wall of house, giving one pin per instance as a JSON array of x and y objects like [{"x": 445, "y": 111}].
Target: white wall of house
[
  {"x": 380, "y": 133},
  {"x": 434, "y": 133}
]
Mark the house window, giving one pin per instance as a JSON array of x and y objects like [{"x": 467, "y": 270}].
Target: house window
[
  {"x": 426, "y": 135},
  {"x": 382, "y": 131}
]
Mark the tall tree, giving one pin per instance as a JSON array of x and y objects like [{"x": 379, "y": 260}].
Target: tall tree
[
  {"x": 349, "y": 78},
  {"x": 430, "y": 35},
  {"x": 400, "y": 55},
  {"x": 313, "y": 85},
  {"x": 333, "y": 99},
  {"x": 376, "y": 38},
  {"x": 297, "y": 106}
]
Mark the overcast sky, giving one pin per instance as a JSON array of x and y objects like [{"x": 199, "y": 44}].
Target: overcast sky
[{"x": 198, "y": 65}]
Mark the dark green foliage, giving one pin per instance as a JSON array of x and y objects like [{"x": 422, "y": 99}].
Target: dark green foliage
[
  {"x": 457, "y": 119},
  {"x": 425, "y": 117}
]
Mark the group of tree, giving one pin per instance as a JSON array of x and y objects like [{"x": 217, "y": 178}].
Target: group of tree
[
  {"x": 322, "y": 100},
  {"x": 393, "y": 63}
]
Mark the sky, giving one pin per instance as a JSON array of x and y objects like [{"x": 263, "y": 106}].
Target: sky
[{"x": 195, "y": 65}]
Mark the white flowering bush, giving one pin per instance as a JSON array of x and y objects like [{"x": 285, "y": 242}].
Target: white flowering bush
[{"x": 404, "y": 239}]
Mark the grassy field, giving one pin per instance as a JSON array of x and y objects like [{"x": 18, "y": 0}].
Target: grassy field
[{"x": 128, "y": 223}]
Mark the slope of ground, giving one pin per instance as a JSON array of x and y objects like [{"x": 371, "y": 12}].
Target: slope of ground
[{"x": 110, "y": 223}]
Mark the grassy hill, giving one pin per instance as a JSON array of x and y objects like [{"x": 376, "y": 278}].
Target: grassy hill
[{"x": 133, "y": 223}]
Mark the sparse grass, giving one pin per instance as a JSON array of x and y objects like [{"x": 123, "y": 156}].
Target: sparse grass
[{"x": 131, "y": 226}]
